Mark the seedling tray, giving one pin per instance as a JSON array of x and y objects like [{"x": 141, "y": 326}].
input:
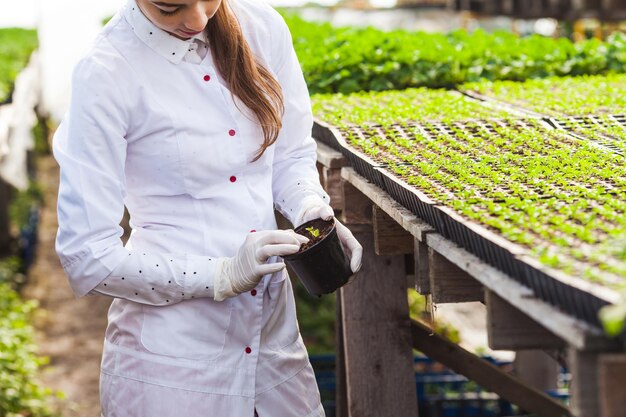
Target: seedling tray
[
  {"x": 322, "y": 132},
  {"x": 582, "y": 126},
  {"x": 362, "y": 163},
  {"x": 440, "y": 140},
  {"x": 418, "y": 203}
]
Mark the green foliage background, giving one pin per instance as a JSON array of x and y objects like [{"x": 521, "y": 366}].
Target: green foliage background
[
  {"x": 348, "y": 59},
  {"x": 16, "y": 45}
]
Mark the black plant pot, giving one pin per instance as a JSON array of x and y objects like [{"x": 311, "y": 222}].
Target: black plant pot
[{"x": 322, "y": 267}]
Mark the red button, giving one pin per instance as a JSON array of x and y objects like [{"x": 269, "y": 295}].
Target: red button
[
  {"x": 231, "y": 132},
  {"x": 233, "y": 179},
  {"x": 248, "y": 350},
  {"x": 253, "y": 292},
  {"x": 252, "y": 231},
  {"x": 207, "y": 77}
]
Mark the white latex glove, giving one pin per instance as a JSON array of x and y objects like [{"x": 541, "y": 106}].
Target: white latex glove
[
  {"x": 243, "y": 272},
  {"x": 315, "y": 208},
  {"x": 351, "y": 247}
]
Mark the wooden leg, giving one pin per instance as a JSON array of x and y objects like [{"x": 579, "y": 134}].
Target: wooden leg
[
  {"x": 584, "y": 390},
  {"x": 341, "y": 400},
  {"x": 538, "y": 369},
  {"x": 612, "y": 382},
  {"x": 377, "y": 339}
]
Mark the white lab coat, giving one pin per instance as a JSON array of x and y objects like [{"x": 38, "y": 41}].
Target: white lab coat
[{"x": 152, "y": 126}]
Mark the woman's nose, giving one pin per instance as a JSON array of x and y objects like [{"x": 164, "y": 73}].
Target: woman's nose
[{"x": 197, "y": 18}]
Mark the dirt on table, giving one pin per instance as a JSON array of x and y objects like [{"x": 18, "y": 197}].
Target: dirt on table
[{"x": 70, "y": 331}]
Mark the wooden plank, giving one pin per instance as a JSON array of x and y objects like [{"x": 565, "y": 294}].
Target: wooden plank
[
  {"x": 612, "y": 384},
  {"x": 510, "y": 329},
  {"x": 377, "y": 338},
  {"x": 357, "y": 207},
  {"x": 575, "y": 332},
  {"x": 330, "y": 178},
  {"x": 449, "y": 283},
  {"x": 536, "y": 368},
  {"x": 341, "y": 400},
  {"x": 409, "y": 222},
  {"x": 484, "y": 373},
  {"x": 329, "y": 157},
  {"x": 584, "y": 395},
  {"x": 422, "y": 277},
  {"x": 389, "y": 237}
]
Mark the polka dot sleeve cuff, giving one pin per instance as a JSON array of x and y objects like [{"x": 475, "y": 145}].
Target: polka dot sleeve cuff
[{"x": 160, "y": 279}]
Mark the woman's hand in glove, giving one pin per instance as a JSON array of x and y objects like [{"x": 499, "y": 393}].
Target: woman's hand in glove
[
  {"x": 315, "y": 208},
  {"x": 243, "y": 272},
  {"x": 351, "y": 247}
]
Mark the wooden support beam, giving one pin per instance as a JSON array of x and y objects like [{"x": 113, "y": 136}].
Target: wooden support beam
[
  {"x": 612, "y": 384},
  {"x": 510, "y": 329},
  {"x": 449, "y": 283},
  {"x": 584, "y": 394},
  {"x": 341, "y": 399},
  {"x": 329, "y": 164},
  {"x": 422, "y": 277},
  {"x": 357, "y": 207},
  {"x": 484, "y": 373},
  {"x": 329, "y": 157},
  {"x": 575, "y": 332},
  {"x": 409, "y": 222},
  {"x": 377, "y": 337},
  {"x": 536, "y": 368},
  {"x": 330, "y": 178},
  {"x": 389, "y": 237}
]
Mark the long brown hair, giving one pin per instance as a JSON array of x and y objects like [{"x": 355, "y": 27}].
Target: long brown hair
[{"x": 247, "y": 79}]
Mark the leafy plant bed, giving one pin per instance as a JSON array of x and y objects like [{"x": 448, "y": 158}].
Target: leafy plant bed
[
  {"x": 397, "y": 107},
  {"x": 508, "y": 190},
  {"x": 559, "y": 97}
]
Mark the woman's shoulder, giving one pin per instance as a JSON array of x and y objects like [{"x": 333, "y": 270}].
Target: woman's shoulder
[{"x": 105, "y": 57}]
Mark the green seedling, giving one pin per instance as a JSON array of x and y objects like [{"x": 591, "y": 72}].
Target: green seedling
[{"x": 313, "y": 231}]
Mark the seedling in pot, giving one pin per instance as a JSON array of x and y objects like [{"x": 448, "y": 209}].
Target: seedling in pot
[{"x": 313, "y": 231}]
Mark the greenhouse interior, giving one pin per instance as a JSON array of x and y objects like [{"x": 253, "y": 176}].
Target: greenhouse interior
[{"x": 468, "y": 157}]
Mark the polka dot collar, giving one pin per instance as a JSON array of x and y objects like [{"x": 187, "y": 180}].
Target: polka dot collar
[{"x": 166, "y": 45}]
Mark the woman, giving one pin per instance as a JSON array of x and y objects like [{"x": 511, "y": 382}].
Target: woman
[{"x": 195, "y": 116}]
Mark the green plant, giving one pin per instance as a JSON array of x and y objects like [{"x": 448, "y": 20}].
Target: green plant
[
  {"x": 613, "y": 318},
  {"x": 20, "y": 395},
  {"x": 313, "y": 231},
  {"x": 418, "y": 311},
  {"x": 347, "y": 59}
]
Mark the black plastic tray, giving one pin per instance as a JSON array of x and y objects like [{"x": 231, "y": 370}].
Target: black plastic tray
[{"x": 416, "y": 202}]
